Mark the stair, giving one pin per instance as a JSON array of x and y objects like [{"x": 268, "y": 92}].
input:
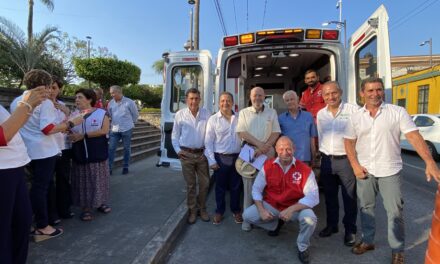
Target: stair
[{"x": 145, "y": 141}]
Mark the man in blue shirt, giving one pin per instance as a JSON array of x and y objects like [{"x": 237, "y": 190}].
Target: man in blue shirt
[
  {"x": 123, "y": 113},
  {"x": 299, "y": 126}
]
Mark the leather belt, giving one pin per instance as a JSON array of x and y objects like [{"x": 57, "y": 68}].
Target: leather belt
[
  {"x": 193, "y": 150},
  {"x": 337, "y": 157},
  {"x": 227, "y": 154}
]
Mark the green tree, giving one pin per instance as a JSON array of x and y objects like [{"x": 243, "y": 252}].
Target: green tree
[
  {"x": 149, "y": 96},
  {"x": 19, "y": 56},
  {"x": 107, "y": 71},
  {"x": 47, "y": 3},
  {"x": 67, "y": 48}
]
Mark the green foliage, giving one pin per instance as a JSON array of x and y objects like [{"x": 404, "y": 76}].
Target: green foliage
[
  {"x": 150, "y": 110},
  {"x": 149, "y": 96},
  {"x": 107, "y": 71}
]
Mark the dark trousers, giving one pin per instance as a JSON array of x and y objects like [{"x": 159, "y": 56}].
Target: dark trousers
[
  {"x": 42, "y": 170},
  {"x": 226, "y": 177},
  {"x": 15, "y": 216},
  {"x": 335, "y": 172},
  {"x": 62, "y": 178}
]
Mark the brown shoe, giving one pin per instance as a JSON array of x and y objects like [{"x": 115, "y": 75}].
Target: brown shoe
[
  {"x": 192, "y": 216},
  {"x": 238, "y": 218},
  {"x": 361, "y": 248},
  {"x": 217, "y": 219},
  {"x": 398, "y": 258},
  {"x": 204, "y": 216}
]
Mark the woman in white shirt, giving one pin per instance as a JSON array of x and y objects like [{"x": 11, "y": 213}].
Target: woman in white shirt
[
  {"x": 15, "y": 207},
  {"x": 38, "y": 136}
]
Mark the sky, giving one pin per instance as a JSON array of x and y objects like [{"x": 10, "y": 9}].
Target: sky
[{"x": 139, "y": 31}]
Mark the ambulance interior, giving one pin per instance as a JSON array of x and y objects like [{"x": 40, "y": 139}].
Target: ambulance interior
[{"x": 276, "y": 71}]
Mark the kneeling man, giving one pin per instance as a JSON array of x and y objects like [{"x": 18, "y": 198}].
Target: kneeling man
[{"x": 285, "y": 189}]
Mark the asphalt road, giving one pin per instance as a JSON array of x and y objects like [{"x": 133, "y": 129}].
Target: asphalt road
[{"x": 226, "y": 243}]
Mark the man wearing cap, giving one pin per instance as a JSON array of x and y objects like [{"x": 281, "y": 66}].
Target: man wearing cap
[
  {"x": 285, "y": 189},
  {"x": 372, "y": 143},
  {"x": 335, "y": 167},
  {"x": 258, "y": 126},
  {"x": 188, "y": 139},
  {"x": 300, "y": 127},
  {"x": 222, "y": 146}
]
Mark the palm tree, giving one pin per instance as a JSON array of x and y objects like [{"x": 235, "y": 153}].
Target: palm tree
[
  {"x": 48, "y": 4},
  {"x": 18, "y": 51}
]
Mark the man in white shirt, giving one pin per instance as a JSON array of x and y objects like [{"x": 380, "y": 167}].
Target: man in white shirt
[
  {"x": 222, "y": 148},
  {"x": 372, "y": 138},
  {"x": 258, "y": 126},
  {"x": 188, "y": 139},
  {"x": 285, "y": 189},
  {"x": 335, "y": 167}
]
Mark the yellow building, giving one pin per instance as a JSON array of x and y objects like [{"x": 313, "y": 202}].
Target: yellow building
[{"x": 418, "y": 92}]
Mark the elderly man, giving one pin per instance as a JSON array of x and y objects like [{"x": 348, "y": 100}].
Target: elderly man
[
  {"x": 188, "y": 139},
  {"x": 222, "y": 148},
  {"x": 123, "y": 113},
  {"x": 311, "y": 98},
  {"x": 300, "y": 127},
  {"x": 285, "y": 189},
  {"x": 372, "y": 139},
  {"x": 257, "y": 126},
  {"x": 335, "y": 167}
]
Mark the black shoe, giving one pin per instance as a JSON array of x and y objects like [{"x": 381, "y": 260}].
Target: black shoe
[
  {"x": 328, "y": 231},
  {"x": 125, "y": 171},
  {"x": 276, "y": 232},
  {"x": 67, "y": 215},
  {"x": 349, "y": 239},
  {"x": 304, "y": 256}
]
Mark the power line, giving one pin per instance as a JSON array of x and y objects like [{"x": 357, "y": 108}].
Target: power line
[
  {"x": 220, "y": 16},
  {"x": 235, "y": 17},
  {"x": 264, "y": 14},
  {"x": 396, "y": 25}
]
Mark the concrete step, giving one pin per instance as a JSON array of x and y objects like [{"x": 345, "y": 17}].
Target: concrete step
[
  {"x": 138, "y": 155},
  {"x": 145, "y": 130},
  {"x": 138, "y": 147},
  {"x": 145, "y": 138}
]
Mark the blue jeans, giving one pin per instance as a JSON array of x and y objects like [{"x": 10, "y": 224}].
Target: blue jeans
[{"x": 115, "y": 137}]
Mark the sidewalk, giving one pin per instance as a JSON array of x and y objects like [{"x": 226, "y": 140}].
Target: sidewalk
[{"x": 147, "y": 206}]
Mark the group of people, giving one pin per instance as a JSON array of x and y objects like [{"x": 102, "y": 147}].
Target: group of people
[
  {"x": 358, "y": 149},
  {"x": 69, "y": 159}
]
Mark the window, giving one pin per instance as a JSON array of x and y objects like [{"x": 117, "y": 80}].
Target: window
[
  {"x": 422, "y": 101},
  {"x": 401, "y": 102},
  {"x": 424, "y": 121},
  {"x": 185, "y": 77},
  {"x": 366, "y": 65}
]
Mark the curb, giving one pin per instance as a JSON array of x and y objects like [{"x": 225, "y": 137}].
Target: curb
[{"x": 156, "y": 251}]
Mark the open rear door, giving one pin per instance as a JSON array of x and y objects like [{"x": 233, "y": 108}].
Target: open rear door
[
  {"x": 369, "y": 55},
  {"x": 182, "y": 70}
]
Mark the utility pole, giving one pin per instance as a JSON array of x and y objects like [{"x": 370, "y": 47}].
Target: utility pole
[
  {"x": 88, "y": 50},
  {"x": 196, "y": 24}
]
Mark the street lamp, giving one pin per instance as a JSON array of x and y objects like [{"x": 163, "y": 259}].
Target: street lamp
[
  {"x": 88, "y": 46},
  {"x": 339, "y": 24},
  {"x": 88, "y": 50},
  {"x": 430, "y": 49}
]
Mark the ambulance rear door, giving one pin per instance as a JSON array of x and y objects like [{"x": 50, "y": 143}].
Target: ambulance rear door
[
  {"x": 368, "y": 55},
  {"x": 182, "y": 70}
]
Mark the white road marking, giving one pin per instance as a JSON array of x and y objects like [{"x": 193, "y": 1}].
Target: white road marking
[{"x": 413, "y": 166}]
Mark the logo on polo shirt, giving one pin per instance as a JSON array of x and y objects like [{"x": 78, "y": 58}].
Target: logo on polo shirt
[
  {"x": 296, "y": 177},
  {"x": 94, "y": 122}
]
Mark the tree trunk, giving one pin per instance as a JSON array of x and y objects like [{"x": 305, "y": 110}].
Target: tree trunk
[{"x": 30, "y": 18}]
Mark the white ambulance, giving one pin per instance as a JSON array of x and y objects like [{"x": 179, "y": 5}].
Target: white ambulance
[{"x": 275, "y": 60}]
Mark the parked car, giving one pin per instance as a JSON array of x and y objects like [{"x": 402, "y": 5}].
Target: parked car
[{"x": 429, "y": 128}]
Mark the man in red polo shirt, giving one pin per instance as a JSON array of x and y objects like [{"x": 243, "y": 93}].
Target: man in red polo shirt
[
  {"x": 285, "y": 189},
  {"x": 311, "y": 98}
]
